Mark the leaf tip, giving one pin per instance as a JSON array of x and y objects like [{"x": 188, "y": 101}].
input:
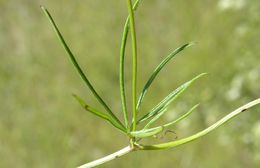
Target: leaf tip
[
  {"x": 197, "y": 105},
  {"x": 82, "y": 103},
  {"x": 192, "y": 43},
  {"x": 42, "y": 7},
  {"x": 203, "y": 74},
  {"x": 75, "y": 96}
]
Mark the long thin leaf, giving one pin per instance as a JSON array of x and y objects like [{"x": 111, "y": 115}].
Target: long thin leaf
[
  {"x": 97, "y": 113},
  {"x": 155, "y": 118},
  {"x": 76, "y": 65},
  {"x": 182, "y": 117},
  {"x": 168, "y": 99},
  {"x": 122, "y": 65},
  {"x": 157, "y": 70},
  {"x": 205, "y": 131}
]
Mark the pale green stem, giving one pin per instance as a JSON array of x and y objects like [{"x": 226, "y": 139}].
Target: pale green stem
[
  {"x": 205, "y": 131},
  {"x": 134, "y": 50},
  {"x": 108, "y": 158},
  {"x": 172, "y": 144}
]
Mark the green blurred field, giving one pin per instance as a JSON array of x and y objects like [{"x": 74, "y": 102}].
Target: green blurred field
[{"x": 42, "y": 126}]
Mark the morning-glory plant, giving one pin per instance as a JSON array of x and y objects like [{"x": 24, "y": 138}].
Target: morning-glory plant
[{"x": 130, "y": 126}]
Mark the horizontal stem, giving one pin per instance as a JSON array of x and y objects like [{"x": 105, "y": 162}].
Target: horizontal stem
[
  {"x": 108, "y": 158},
  {"x": 203, "y": 132}
]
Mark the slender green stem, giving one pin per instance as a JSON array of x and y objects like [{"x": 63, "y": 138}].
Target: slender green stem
[
  {"x": 205, "y": 131},
  {"x": 122, "y": 63},
  {"x": 78, "y": 68},
  {"x": 134, "y": 50},
  {"x": 172, "y": 144}
]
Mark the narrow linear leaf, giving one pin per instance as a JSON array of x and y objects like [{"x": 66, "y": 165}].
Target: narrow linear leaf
[
  {"x": 157, "y": 70},
  {"x": 76, "y": 65},
  {"x": 147, "y": 132},
  {"x": 97, "y": 113},
  {"x": 168, "y": 99},
  {"x": 90, "y": 109},
  {"x": 122, "y": 65},
  {"x": 182, "y": 117},
  {"x": 155, "y": 118},
  {"x": 205, "y": 131}
]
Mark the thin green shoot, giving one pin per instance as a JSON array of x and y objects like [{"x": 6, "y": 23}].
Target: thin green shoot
[
  {"x": 203, "y": 132},
  {"x": 153, "y": 115}
]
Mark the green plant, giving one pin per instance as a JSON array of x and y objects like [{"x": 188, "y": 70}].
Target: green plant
[{"x": 129, "y": 126}]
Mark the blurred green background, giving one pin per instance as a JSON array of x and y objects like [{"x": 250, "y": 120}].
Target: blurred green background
[{"x": 42, "y": 126}]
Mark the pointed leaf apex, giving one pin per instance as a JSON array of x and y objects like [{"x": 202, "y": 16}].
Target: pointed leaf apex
[{"x": 192, "y": 43}]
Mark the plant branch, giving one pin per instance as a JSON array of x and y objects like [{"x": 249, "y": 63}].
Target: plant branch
[
  {"x": 205, "y": 131},
  {"x": 108, "y": 158},
  {"x": 172, "y": 144}
]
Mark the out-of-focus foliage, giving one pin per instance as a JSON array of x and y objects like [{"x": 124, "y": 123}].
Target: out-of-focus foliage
[{"x": 42, "y": 126}]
